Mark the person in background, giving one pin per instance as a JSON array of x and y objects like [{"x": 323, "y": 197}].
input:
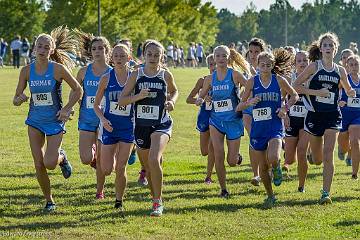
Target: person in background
[
  {"x": 25, "y": 48},
  {"x": 15, "y": 50}
]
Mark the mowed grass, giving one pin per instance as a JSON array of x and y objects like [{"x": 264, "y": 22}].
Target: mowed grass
[{"x": 193, "y": 210}]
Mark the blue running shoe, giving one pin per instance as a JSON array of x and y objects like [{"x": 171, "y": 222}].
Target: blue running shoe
[
  {"x": 325, "y": 198},
  {"x": 65, "y": 165},
  {"x": 269, "y": 202},
  {"x": 341, "y": 155},
  {"x": 277, "y": 173},
  {"x": 50, "y": 207},
  {"x": 132, "y": 157},
  {"x": 348, "y": 161}
]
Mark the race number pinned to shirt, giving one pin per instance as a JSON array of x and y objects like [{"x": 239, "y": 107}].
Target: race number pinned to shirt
[
  {"x": 353, "y": 102},
  {"x": 208, "y": 106},
  {"x": 147, "y": 112},
  {"x": 90, "y": 100},
  {"x": 42, "y": 99},
  {"x": 326, "y": 100},
  {"x": 297, "y": 111},
  {"x": 262, "y": 114},
  {"x": 116, "y": 109},
  {"x": 223, "y": 105}
]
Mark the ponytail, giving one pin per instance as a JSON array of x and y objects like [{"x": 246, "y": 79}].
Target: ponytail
[
  {"x": 64, "y": 44},
  {"x": 84, "y": 41},
  {"x": 236, "y": 59},
  {"x": 314, "y": 51},
  {"x": 283, "y": 61}
]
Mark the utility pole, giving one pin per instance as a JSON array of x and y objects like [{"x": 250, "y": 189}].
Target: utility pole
[
  {"x": 286, "y": 23},
  {"x": 99, "y": 19}
]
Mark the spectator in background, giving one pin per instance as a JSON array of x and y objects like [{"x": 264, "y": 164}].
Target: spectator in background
[
  {"x": 297, "y": 47},
  {"x": 353, "y": 47},
  {"x": 291, "y": 50},
  {"x": 31, "y": 52},
  {"x": 200, "y": 54},
  {"x": 15, "y": 49},
  {"x": 139, "y": 54},
  {"x": 181, "y": 56},
  {"x": 176, "y": 55},
  {"x": 191, "y": 62},
  {"x": 3, "y": 46},
  {"x": 170, "y": 55},
  {"x": 25, "y": 49}
]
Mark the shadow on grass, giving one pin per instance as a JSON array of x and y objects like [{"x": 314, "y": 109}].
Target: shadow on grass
[
  {"x": 309, "y": 202},
  {"x": 347, "y": 223}
]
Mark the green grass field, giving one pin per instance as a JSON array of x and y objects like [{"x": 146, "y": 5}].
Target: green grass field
[{"x": 193, "y": 210}]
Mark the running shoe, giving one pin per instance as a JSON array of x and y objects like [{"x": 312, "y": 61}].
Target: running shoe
[
  {"x": 100, "y": 196},
  {"x": 325, "y": 198},
  {"x": 118, "y": 204},
  {"x": 348, "y": 161},
  {"x": 277, "y": 175},
  {"x": 50, "y": 207},
  {"x": 65, "y": 165},
  {"x": 240, "y": 159},
  {"x": 142, "y": 178},
  {"x": 269, "y": 202},
  {"x": 224, "y": 194},
  {"x": 341, "y": 155},
  {"x": 301, "y": 189},
  {"x": 157, "y": 208},
  {"x": 256, "y": 181},
  {"x": 208, "y": 180},
  {"x": 132, "y": 157},
  {"x": 354, "y": 177}
]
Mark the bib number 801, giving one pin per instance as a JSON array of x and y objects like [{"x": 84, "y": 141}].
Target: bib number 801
[{"x": 147, "y": 112}]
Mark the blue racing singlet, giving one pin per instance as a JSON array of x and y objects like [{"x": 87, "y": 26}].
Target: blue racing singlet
[
  {"x": 352, "y": 104},
  {"x": 224, "y": 98},
  {"x": 121, "y": 117},
  {"x": 90, "y": 86},
  {"x": 45, "y": 100},
  {"x": 265, "y": 121}
]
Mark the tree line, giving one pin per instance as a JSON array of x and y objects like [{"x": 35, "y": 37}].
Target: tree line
[
  {"x": 303, "y": 25},
  {"x": 180, "y": 21}
]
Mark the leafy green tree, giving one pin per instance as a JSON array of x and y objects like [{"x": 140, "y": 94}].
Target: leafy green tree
[{"x": 23, "y": 17}]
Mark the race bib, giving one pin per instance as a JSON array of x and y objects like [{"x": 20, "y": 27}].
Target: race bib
[
  {"x": 90, "y": 100},
  {"x": 261, "y": 114},
  {"x": 353, "y": 102},
  {"x": 119, "y": 110},
  {"x": 326, "y": 100},
  {"x": 297, "y": 111},
  {"x": 42, "y": 99},
  {"x": 147, "y": 112},
  {"x": 223, "y": 105},
  {"x": 208, "y": 106}
]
